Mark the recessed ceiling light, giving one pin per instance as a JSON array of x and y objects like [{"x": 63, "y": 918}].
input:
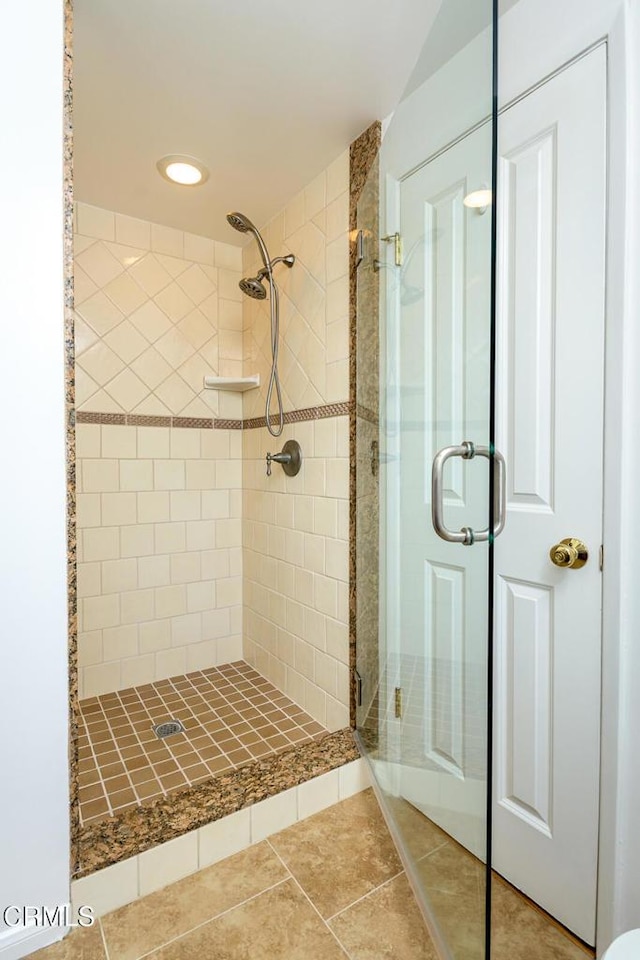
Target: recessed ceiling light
[{"x": 187, "y": 171}]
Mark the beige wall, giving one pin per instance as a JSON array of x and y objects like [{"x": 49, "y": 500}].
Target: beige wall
[
  {"x": 296, "y": 530},
  {"x": 159, "y": 529}
]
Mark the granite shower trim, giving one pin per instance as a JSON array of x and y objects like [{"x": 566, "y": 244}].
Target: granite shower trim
[
  {"x": 69, "y": 387},
  {"x": 113, "y": 839},
  {"x": 212, "y": 423},
  {"x": 365, "y": 414},
  {"x": 362, "y": 155}
]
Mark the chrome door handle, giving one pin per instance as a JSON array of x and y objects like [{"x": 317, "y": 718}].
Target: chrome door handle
[{"x": 467, "y": 451}]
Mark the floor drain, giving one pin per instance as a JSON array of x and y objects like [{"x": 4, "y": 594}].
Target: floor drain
[{"x": 168, "y": 729}]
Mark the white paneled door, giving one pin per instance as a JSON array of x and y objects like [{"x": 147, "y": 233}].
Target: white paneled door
[
  {"x": 551, "y": 279},
  {"x": 549, "y": 416}
]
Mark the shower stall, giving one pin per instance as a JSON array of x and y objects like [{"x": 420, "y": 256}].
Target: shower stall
[{"x": 477, "y": 602}]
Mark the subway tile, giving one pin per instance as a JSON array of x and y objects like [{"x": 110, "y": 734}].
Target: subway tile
[
  {"x": 154, "y": 507},
  {"x": 185, "y": 567},
  {"x": 215, "y": 623},
  {"x": 185, "y": 504},
  {"x": 88, "y": 440},
  {"x": 99, "y": 476},
  {"x": 185, "y": 444},
  {"x": 136, "y": 474},
  {"x": 170, "y": 663},
  {"x": 337, "y": 559},
  {"x": 167, "y": 863},
  {"x": 186, "y": 629},
  {"x": 200, "y": 249},
  {"x": 138, "y": 670},
  {"x": 101, "y": 678},
  {"x": 275, "y": 814},
  {"x": 200, "y": 474},
  {"x": 337, "y": 715},
  {"x": 201, "y": 595},
  {"x": 167, "y": 241},
  {"x": 202, "y": 654},
  {"x": 201, "y": 535},
  {"x": 169, "y": 474},
  {"x": 154, "y": 635},
  {"x": 154, "y": 571},
  {"x": 170, "y": 601},
  {"x": 215, "y": 564},
  {"x": 318, "y": 793},
  {"x": 314, "y": 553},
  {"x": 95, "y": 222},
  {"x": 224, "y": 837},
  {"x": 90, "y": 648},
  {"x": 107, "y": 889},
  {"x": 326, "y": 595},
  {"x": 154, "y": 443},
  {"x": 101, "y": 543},
  {"x": 354, "y": 777},
  {"x": 337, "y": 639},
  {"x": 137, "y": 606},
  {"x": 137, "y": 541},
  {"x": 170, "y": 537},
  {"x": 132, "y": 232},
  {"x": 118, "y": 509},
  {"x": 119, "y": 575},
  {"x": 89, "y": 580},
  {"x": 100, "y": 612},
  {"x": 120, "y": 642},
  {"x": 215, "y": 504},
  {"x": 118, "y": 441}
]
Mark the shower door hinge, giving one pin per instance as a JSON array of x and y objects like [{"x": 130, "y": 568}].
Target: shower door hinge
[
  {"x": 398, "y": 702},
  {"x": 358, "y": 686},
  {"x": 359, "y": 248},
  {"x": 396, "y": 239}
]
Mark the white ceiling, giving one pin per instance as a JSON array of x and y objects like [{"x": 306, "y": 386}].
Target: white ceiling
[{"x": 265, "y": 92}]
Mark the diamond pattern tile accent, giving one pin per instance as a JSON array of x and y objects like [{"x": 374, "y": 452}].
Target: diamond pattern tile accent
[{"x": 147, "y": 317}]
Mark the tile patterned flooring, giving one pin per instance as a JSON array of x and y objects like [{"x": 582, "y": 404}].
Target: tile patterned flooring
[
  {"x": 231, "y": 716},
  {"x": 328, "y": 888}
]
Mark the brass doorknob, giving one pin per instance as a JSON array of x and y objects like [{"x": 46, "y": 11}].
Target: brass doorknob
[{"x": 569, "y": 553}]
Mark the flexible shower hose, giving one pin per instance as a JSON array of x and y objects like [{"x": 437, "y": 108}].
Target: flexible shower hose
[{"x": 274, "y": 379}]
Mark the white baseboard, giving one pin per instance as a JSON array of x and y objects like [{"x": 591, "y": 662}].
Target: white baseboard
[{"x": 18, "y": 942}]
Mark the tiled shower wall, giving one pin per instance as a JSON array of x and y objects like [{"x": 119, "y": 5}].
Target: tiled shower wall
[
  {"x": 296, "y": 530},
  {"x": 159, "y": 529}
]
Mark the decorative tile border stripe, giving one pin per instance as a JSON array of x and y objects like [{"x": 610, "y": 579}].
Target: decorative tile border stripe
[
  {"x": 108, "y": 841},
  {"x": 141, "y": 420},
  {"x": 206, "y": 423},
  {"x": 298, "y": 416}
]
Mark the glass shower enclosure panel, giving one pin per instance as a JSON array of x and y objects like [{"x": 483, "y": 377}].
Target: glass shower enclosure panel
[{"x": 428, "y": 482}]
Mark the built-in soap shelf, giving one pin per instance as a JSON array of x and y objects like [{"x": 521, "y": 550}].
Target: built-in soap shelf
[{"x": 234, "y": 384}]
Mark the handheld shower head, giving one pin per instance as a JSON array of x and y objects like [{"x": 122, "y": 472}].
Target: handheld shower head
[
  {"x": 239, "y": 222},
  {"x": 243, "y": 225}
]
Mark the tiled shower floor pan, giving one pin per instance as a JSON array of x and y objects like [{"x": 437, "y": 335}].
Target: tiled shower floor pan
[{"x": 231, "y": 716}]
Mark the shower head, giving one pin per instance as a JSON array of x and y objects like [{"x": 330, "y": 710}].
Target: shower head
[
  {"x": 253, "y": 287},
  {"x": 239, "y": 222},
  {"x": 243, "y": 225}
]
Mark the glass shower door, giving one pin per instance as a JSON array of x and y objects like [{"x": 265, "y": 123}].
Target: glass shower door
[{"x": 429, "y": 485}]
